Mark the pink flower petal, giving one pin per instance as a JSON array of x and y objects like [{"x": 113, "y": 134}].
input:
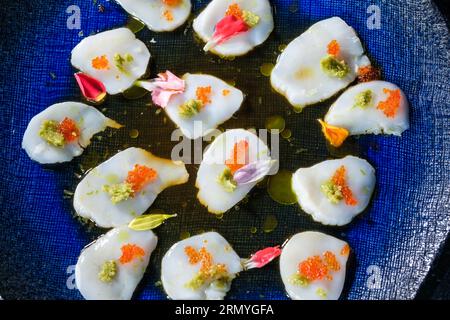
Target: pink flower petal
[
  {"x": 226, "y": 28},
  {"x": 163, "y": 88},
  {"x": 92, "y": 89},
  {"x": 262, "y": 257}
]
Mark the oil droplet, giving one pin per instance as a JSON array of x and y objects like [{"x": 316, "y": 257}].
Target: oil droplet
[
  {"x": 219, "y": 216},
  {"x": 253, "y": 230},
  {"x": 266, "y": 69},
  {"x": 134, "y": 133},
  {"x": 282, "y": 47},
  {"x": 134, "y": 24},
  {"x": 231, "y": 83},
  {"x": 201, "y": 231},
  {"x": 184, "y": 235},
  {"x": 280, "y": 188},
  {"x": 270, "y": 224},
  {"x": 287, "y": 133},
  {"x": 275, "y": 123},
  {"x": 298, "y": 109},
  {"x": 134, "y": 93}
]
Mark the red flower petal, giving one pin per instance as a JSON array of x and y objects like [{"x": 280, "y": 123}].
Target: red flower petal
[{"x": 92, "y": 89}]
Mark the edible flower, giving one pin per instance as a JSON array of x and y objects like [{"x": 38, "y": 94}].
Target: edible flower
[
  {"x": 163, "y": 88},
  {"x": 391, "y": 104},
  {"x": 92, "y": 89},
  {"x": 262, "y": 257},
  {"x": 253, "y": 172},
  {"x": 131, "y": 252},
  {"x": 149, "y": 221},
  {"x": 236, "y": 21},
  {"x": 335, "y": 135}
]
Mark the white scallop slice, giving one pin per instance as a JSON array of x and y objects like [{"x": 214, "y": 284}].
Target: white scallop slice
[
  {"x": 211, "y": 193},
  {"x": 108, "y": 248},
  {"x": 176, "y": 271},
  {"x": 204, "y": 25},
  {"x": 308, "y": 244},
  {"x": 344, "y": 114},
  {"x": 306, "y": 183},
  {"x": 221, "y": 108},
  {"x": 109, "y": 43},
  {"x": 89, "y": 121},
  {"x": 298, "y": 74},
  {"x": 90, "y": 201},
  {"x": 154, "y": 13}
]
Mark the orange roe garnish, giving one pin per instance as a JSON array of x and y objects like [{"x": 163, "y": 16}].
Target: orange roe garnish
[
  {"x": 234, "y": 10},
  {"x": 391, "y": 104},
  {"x": 335, "y": 135},
  {"x": 203, "y": 94},
  {"x": 193, "y": 255},
  {"x": 131, "y": 252},
  {"x": 239, "y": 157},
  {"x": 313, "y": 268},
  {"x": 168, "y": 15},
  {"x": 368, "y": 73},
  {"x": 225, "y": 92},
  {"x": 68, "y": 128},
  {"x": 171, "y": 3},
  {"x": 100, "y": 63},
  {"x": 345, "y": 251},
  {"x": 331, "y": 261},
  {"x": 140, "y": 176},
  {"x": 339, "y": 180},
  {"x": 334, "y": 48},
  {"x": 205, "y": 258}
]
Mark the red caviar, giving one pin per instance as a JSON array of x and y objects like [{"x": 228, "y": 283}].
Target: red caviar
[
  {"x": 205, "y": 258},
  {"x": 100, "y": 63},
  {"x": 313, "y": 268},
  {"x": 339, "y": 180},
  {"x": 331, "y": 261},
  {"x": 172, "y": 3},
  {"x": 203, "y": 94},
  {"x": 168, "y": 15},
  {"x": 368, "y": 73},
  {"x": 131, "y": 252},
  {"x": 334, "y": 48},
  {"x": 234, "y": 10},
  {"x": 239, "y": 156},
  {"x": 140, "y": 176},
  {"x": 69, "y": 129},
  {"x": 391, "y": 104},
  {"x": 345, "y": 251}
]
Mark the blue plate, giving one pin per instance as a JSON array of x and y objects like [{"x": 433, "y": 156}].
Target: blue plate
[{"x": 394, "y": 242}]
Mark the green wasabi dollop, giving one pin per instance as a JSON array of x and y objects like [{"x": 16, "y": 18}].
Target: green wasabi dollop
[
  {"x": 227, "y": 181},
  {"x": 332, "y": 191},
  {"x": 122, "y": 61},
  {"x": 298, "y": 280},
  {"x": 118, "y": 192},
  {"x": 49, "y": 132},
  {"x": 333, "y": 67},
  {"x": 108, "y": 271},
  {"x": 363, "y": 99},
  {"x": 190, "y": 108}
]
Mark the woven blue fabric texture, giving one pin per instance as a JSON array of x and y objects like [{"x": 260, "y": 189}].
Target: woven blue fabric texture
[{"x": 394, "y": 242}]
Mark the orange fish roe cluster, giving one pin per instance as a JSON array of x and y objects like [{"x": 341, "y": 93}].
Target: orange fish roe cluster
[
  {"x": 345, "y": 251},
  {"x": 131, "y": 252},
  {"x": 193, "y": 255},
  {"x": 318, "y": 268},
  {"x": 168, "y": 15},
  {"x": 339, "y": 180},
  {"x": 368, "y": 73},
  {"x": 225, "y": 92},
  {"x": 334, "y": 48},
  {"x": 172, "y": 3},
  {"x": 203, "y": 94},
  {"x": 140, "y": 176},
  {"x": 391, "y": 104},
  {"x": 100, "y": 63},
  {"x": 239, "y": 157},
  {"x": 68, "y": 128},
  {"x": 205, "y": 258},
  {"x": 234, "y": 10}
]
